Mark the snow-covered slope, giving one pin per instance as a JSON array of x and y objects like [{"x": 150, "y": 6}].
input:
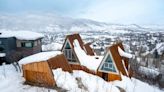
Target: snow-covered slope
[
  {"x": 55, "y": 23},
  {"x": 79, "y": 81}
]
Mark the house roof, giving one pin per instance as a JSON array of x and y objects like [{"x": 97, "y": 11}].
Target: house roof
[
  {"x": 88, "y": 49},
  {"x": 21, "y": 35},
  {"x": 85, "y": 47},
  {"x": 39, "y": 57},
  {"x": 59, "y": 61},
  {"x": 117, "y": 58},
  {"x": 91, "y": 62}
]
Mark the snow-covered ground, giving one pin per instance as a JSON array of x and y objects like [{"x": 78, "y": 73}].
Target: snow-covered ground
[
  {"x": 52, "y": 46},
  {"x": 12, "y": 81}
]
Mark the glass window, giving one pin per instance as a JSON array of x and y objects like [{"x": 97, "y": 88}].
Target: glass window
[
  {"x": 67, "y": 46},
  {"x": 70, "y": 54},
  {"x": 26, "y": 44},
  {"x": 39, "y": 42},
  {"x": 108, "y": 65},
  {"x": 0, "y": 42},
  {"x": 35, "y": 43}
]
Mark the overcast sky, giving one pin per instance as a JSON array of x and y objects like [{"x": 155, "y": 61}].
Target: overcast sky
[{"x": 112, "y": 11}]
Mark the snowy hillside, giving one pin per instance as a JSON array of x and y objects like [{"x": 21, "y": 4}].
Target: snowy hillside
[
  {"x": 56, "y": 23},
  {"x": 12, "y": 81}
]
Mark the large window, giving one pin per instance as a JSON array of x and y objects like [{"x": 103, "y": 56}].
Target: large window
[
  {"x": 27, "y": 44},
  {"x": 108, "y": 65},
  {"x": 68, "y": 53}
]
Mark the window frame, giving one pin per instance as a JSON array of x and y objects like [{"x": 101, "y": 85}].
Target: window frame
[{"x": 24, "y": 44}]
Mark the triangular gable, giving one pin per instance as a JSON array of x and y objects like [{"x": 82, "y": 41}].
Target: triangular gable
[
  {"x": 120, "y": 62},
  {"x": 85, "y": 47},
  {"x": 70, "y": 53},
  {"x": 108, "y": 65},
  {"x": 118, "y": 59}
]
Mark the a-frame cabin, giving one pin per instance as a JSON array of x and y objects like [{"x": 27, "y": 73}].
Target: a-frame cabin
[
  {"x": 109, "y": 67},
  {"x": 113, "y": 64},
  {"x": 70, "y": 54}
]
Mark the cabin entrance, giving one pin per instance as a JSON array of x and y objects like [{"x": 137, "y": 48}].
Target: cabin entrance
[{"x": 105, "y": 76}]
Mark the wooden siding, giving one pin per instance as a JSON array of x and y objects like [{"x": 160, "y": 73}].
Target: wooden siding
[
  {"x": 111, "y": 76},
  {"x": 118, "y": 59},
  {"x": 59, "y": 61},
  {"x": 38, "y": 73}
]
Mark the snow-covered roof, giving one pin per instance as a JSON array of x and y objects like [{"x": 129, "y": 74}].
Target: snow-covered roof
[
  {"x": 42, "y": 56},
  {"x": 21, "y": 35},
  {"x": 124, "y": 54},
  {"x": 91, "y": 62}
]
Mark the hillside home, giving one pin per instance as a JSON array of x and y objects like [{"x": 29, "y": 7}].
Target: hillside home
[
  {"x": 109, "y": 67},
  {"x": 114, "y": 63},
  {"x": 17, "y": 44},
  {"x": 79, "y": 55}
]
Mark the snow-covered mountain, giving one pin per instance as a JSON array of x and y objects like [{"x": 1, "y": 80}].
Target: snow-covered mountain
[{"x": 56, "y": 23}]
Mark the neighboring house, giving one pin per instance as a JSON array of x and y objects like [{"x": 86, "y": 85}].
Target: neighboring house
[
  {"x": 109, "y": 67},
  {"x": 38, "y": 68},
  {"x": 17, "y": 44}
]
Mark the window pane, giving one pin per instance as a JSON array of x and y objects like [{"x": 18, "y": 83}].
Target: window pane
[
  {"x": 35, "y": 43},
  {"x": 70, "y": 54},
  {"x": 28, "y": 44},
  {"x": 108, "y": 65}
]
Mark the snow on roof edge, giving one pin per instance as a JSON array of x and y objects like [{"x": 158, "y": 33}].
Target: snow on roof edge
[
  {"x": 42, "y": 56},
  {"x": 21, "y": 35},
  {"x": 123, "y": 53}
]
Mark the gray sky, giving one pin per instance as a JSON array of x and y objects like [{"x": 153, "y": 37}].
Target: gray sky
[{"x": 112, "y": 11}]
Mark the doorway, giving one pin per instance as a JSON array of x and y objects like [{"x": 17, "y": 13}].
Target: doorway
[{"x": 105, "y": 76}]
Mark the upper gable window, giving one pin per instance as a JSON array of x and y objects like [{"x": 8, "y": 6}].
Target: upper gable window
[{"x": 67, "y": 46}]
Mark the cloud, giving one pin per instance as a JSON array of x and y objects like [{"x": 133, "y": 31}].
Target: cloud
[{"x": 125, "y": 11}]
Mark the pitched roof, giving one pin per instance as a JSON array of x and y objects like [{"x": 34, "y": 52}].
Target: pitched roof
[
  {"x": 91, "y": 62},
  {"x": 88, "y": 49},
  {"x": 59, "y": 61},
  {"x": 117, "y": 58},
  {"x": 21, "y": 35},
  {"x": 85, "y": 47},
  {"x": 39, "y": 57}
]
